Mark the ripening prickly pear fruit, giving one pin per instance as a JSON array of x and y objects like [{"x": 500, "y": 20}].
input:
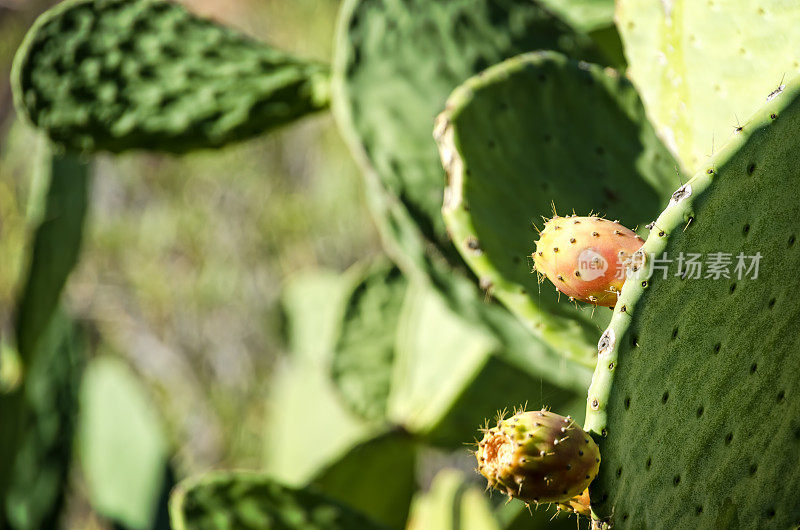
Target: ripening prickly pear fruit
[
  {"x": 538, "y": 456},
  {"x": 585, "y": 257}
]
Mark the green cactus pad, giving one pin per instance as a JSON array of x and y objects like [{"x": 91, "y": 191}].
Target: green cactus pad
[
  {"x": 311, "y": 304},
  {"x": 586, "y": 15},
  {"x": 534, "y": 131},
  {"x": 146, "y": 74},
  {"x": 359, "y": 477},
  {"x": 122, "y": 444},
  {"x": 251, "y": 501},
  {"x": 695, "y": 401},
  {"x": 397, "y": 61},
  {"x": 56, "y": 244},
  {"x": 452, "y": 372},
  {"x": 702, "y": 66},
  {"x": 301, "y": 391},
  {"x": 347, "y": 458},
  {"x": 452, "y": 503},
  {"x": 365, "y": 350},
  {"x": 37, "y": 424}
]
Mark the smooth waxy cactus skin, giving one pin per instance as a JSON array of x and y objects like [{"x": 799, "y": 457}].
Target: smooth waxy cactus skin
[
  {"x": 538, "y": 456},
  {"x": 585, "y": 257},
  {"x": 146, "y": 74}
]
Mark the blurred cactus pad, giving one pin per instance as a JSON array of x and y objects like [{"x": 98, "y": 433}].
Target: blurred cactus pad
[
  {"x": 475, "y": 127},
  {"x": 118, "y": 74}
]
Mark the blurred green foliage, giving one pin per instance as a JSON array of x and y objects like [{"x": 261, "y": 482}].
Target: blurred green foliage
[
  {"x": 239, "y": 309},
  {"x": 184, "y": 256}
]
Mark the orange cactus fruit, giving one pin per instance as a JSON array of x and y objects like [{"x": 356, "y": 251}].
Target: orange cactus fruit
[{"x": 586, "y": 257}]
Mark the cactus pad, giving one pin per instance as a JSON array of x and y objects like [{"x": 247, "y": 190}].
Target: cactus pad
[
  {"x": 452, "y": 503},
  {"x": 533, "y": 131},
  {"x": 452, "y": 371},
  {"x": 358, "y": 478},
  {"x": 122, "y": 444},
  {"x": 126, "y": 74},
  {"x": 250, "y": 501},
  {"x": 365, "y": 350},
  {"x": 696, "y": 396},
  {"x": 396, "y": 63},
  {"x": 703, "y": 66},
  {"x": 37, "y": 426},
  {"x": 56, "y": 244}
]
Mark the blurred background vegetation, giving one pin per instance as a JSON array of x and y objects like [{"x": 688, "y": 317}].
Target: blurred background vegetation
[
  {"x": 233, "y": 311},
  {"x": 185, "y": 257}
]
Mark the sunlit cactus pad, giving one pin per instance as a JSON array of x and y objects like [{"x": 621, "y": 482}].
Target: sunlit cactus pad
[
  {"x": 122, "y": 74},
  {"x": 695, "y": 401},
  {"x": 702, "y": 67},
  {"x": 250, "y": 501},
  {"x": 532, "y": 132}
]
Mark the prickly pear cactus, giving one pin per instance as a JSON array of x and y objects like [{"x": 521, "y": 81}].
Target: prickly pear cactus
[
  {"x": 586, "y": 257},
  {"x": 396, "y": 63},
  {"x": 348, "y": 458},
  {"x": 364, "y": 353},
  {"x": 531, "y": 132},
  {"x": 703, "y": 68},
  {"x": 538, "y": 456},
  {"x": 451, "y": 503},
  {"x": 122, "y": 445},
  {"x": 695, "y": 401},
  {"x": 146, "y": 74},
  {"x": 358, "y": 477},
  {"x": 250, "y": 501},
  {"x": 451, "y": 372},
  {"x": 38, "y": 416},
  {"x": 56, "y": 243},
  {"x": 37, "y": 426}
]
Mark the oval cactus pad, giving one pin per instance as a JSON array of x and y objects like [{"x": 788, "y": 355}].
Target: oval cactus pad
[{"x": 695, "y": 400}]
